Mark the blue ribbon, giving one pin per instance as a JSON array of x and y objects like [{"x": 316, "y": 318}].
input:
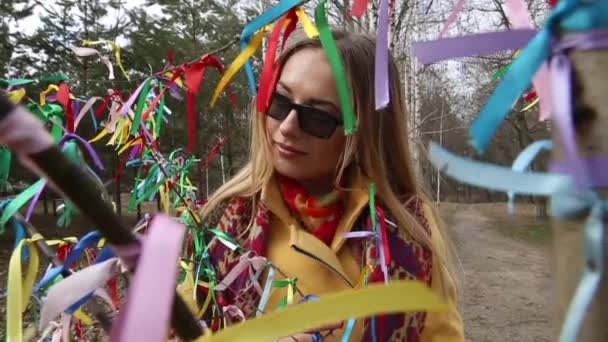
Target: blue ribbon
[
  {"x": 566, "y": 201},
  {"x": 523, "y": 161},
  {"x": 348, "y": 330},
  {"x": 18, "y": 229},
  {"x": 568, "y": 15},
  {"x": 272, "y": 14},
  {"x": 86, "y": 241}
]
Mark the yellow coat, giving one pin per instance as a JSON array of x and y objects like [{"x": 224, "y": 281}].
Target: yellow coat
[{"x": 322, "y": 269}]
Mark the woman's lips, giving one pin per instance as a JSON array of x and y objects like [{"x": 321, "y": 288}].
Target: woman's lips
[{"x": 288, "y": 152}]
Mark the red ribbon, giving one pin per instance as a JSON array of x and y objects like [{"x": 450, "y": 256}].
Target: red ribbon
[
  {"x": 383, "y": 234},
  {"x": 113, "y": 291},
  {"x": 359, "y": 8},
  {"x": 63, "y": 250},
  {"x": 269, "y": 74},
  {"x": 194, "y": 75},
  {"x": 212, "y": 153},
  {"x": 63, "y": 97},
  {"x": 530, "y": 96}
]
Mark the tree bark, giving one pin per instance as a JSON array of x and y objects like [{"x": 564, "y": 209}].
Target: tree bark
[{"x": 590, "y": 74}]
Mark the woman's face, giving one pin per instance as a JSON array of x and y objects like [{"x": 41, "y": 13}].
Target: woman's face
[{"x": 306, "y": 79}]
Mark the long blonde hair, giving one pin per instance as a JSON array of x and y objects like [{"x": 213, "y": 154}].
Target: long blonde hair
[{"x": 379, "y": 149}]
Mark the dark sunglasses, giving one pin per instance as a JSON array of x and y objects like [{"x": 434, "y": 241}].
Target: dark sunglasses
[{"x": 313, "y": 121}]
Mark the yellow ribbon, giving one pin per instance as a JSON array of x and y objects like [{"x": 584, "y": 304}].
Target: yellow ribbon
[
  {"x": 402, "y": 296},
  {"x": 99, "y": 136},
  {"x": 290, "y": 290},
  {"x": 309, "y": 28},
  {"x": 115, "y": 48},
  {"x": 16, "y": 96},
  {"x": 45, "y": 92},
  {"x": 205, "y": 305},
  {"x": 84, "y": 318},
  {"x": 529, "y": 106},
  {"x": 136, "y": 141},
  {"x": 19, "y": 290},
  {"x": 367, "y": 270},
  {"x": 238, "y": 62},
  {"x": 70, "y": 239},
  {"x": 164, "y": 199},
  {"x": 178, "y": 80}
]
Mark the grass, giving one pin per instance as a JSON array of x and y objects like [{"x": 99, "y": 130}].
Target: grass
[
  {"x": 523, "y": 225},
  {"x": 536, "y": 233}
]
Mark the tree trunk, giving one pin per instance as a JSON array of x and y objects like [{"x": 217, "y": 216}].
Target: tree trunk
[{"x": 591, "y": 72}]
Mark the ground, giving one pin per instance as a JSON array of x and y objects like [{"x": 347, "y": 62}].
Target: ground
[{"x": 505, "y": 284}]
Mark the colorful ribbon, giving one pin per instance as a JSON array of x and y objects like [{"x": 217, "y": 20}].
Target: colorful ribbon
[
  {"x": 20, "y": 290},
  {"x": 401, "y": 296},
  {"x": 569, "y": 15},
  {"x": 152, "y": 309},
  {"x": 566, "y": 202},
  {"x": 329, "y": 45},
  {"x": 381, "y": 77}
]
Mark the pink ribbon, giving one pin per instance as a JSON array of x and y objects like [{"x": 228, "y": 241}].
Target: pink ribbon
[
  {"x": 68, "y": 291},
  {"x": 245, "y": 262},
  {"x": 381, "y": 77},
  {"x": 146, "y": 314},
  {"x": 90, "y": 102},
  {"x": 519, "y": 17},
  {"x": 450, "y": 20}
]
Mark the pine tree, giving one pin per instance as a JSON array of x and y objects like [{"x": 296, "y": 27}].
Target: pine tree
[{"x": 10, "y": 12}]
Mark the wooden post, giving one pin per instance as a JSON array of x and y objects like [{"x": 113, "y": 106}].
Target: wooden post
[
  {"x": 45, "y": 203},
  {"x": 590, "y": 79}
]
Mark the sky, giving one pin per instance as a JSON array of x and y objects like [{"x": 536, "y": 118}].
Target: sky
[{"x": 31, "y": 23}]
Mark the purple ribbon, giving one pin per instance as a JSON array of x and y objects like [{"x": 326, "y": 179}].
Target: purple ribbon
[
  {"x": 30, "y": 208},
  {"x": 381, "y": 74},
  {"x": 476, "y": 44},
  {"x": 561, "y": 71},
  {"x": 86, "y": 145},
  {"x": 125, "y": 108},
  {"x": 66, "y": 137},
  {"x": 357, "y": 235},
  {"x": 597, "y": 166},
  {"x": 134, "y": 151}
]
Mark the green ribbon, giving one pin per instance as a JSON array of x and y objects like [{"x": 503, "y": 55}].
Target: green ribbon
[
  {"x": 55, "y": 78},
  {"x": 335, "y": 62},
  {"x": 19, "y": 202},
  {"x": 132, "y": 200},
  {"x": 160, "y": 110},
  {"x": 5, "y": 167},
  {"x": 141, "y": 103},
  {"x": 223, "y": 236},
  {"x": 501, "y": 72},
  {"x": 283, "y": 283},
  {"x": 72, "y": 151},
  {"x": 57, "y": 128},
  {"x": 372, "y": 204},
  {"x": 14, "y": 82},
  {"x": 44, "y": 112}
]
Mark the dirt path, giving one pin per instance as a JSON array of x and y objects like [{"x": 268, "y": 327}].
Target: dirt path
[{"x": 505, "y": 287}]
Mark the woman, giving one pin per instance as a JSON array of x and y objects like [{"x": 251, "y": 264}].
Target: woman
[{"x": 306, "y": 184}]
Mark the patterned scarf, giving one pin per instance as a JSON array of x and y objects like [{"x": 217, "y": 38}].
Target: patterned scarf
[{"x": 320, "y": 216}]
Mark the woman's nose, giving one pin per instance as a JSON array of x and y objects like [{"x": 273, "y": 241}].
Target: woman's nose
[{"x": 290, "y": 126}]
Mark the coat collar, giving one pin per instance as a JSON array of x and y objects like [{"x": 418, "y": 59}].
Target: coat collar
[{"x": 356, "y": 200}]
